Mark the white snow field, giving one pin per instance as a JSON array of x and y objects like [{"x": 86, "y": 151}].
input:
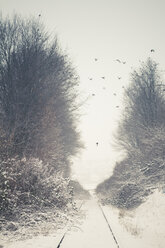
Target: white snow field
[{"x": 143, "y": 227}]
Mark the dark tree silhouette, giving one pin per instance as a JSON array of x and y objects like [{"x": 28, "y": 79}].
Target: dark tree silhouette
[
  {"x": 37, "y": 93},
  {"x": 144, "y": 106}
]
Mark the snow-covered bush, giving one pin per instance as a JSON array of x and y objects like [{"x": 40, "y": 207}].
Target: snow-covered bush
[
  {"x": 32, "y": 183},
  {"x": 78, "y": 191}
]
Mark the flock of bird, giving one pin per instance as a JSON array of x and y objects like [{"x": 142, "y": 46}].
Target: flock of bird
[
  {"x": 119, "y": 78},
  {"x": 103, "y": 77}
]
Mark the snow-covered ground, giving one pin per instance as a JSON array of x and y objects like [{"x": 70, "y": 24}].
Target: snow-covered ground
[
  {"x": 143, "y": 227},
  {"x": 94, "y": 232},
  {"x": 50, "y": 241}
]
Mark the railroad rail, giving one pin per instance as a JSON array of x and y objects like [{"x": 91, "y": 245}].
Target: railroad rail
[
  {"x": 109, "y": 226},
  {"x": 61, "y": 240}
]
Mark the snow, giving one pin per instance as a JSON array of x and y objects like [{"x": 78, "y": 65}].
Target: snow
[
  {"x": 50, "y": 241},
  {"x": 93, "y": 233},
  {"x": 143, "y": 227}
]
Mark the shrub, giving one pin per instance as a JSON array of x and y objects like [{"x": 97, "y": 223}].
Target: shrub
[{"x": 32, "y": 183}]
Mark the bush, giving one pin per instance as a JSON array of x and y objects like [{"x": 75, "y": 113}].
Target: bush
[
  {"x": 130, "y": 196},
  {"x": 32, "y": 183},
  {"x": 78, "y": 191}
]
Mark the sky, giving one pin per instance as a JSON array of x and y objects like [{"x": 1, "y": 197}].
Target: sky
[{"x": 107, "y": 30}]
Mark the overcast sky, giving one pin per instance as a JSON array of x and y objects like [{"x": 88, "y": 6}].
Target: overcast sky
[{"x": 106, "y": 30}]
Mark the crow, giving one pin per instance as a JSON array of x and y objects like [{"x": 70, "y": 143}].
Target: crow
[{"x": 118, "y": 60}]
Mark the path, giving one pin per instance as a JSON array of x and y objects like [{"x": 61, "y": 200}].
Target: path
[{"x": 94, "y": 231}]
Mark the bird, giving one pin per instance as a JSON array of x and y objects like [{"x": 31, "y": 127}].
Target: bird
[
  {"x": 97, "y": 143},
  {"x": 90, "y": 78},
  {"x": 118, "y": 60},
  {"x": 124, "y": 62},
  {"x": 93, "y": 94},
  {"x": 152, "y": 50},
  {"x": 103, "y": 77},
  {"x": 119, "y": 78},
  {"x": 117, "y": 106},
  {"x": 39, "y": 15},
  {"x": 114, "y": 94},
  {"x": 96, "y": 59}
]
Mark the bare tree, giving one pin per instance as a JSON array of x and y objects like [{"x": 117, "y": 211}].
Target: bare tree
[
  {"x": 144, "y": 106},
  {"x": 37, "y": 93},
  {"x": 141, "y": 133}
]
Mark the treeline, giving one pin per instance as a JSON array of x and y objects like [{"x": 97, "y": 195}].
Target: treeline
[
  {"x": 38, "y": 118},
  {"x": 141, "y": 134}
]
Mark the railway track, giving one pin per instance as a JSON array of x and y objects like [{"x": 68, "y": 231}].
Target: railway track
[
  {"x": 106, "y": 220},
  {"x": 110, "y": 228},
  {"x": 61, "y": 240}
]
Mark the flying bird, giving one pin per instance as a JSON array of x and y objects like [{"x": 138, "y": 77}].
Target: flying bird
[
  {"x": 97, "y": 143},
  {"x": 152, "y": 50},
  {"x": 114, "y": 94},
  {"x": 96, "y": 59},
  {"x": 93, "y": 94},
  {"x": 119, "y": 78},
  {"x": 39, "y": 15},
  {"x": 118, "y": 60},
  {"x": 103, "y": 77},
  {"x": 90, "y": 78}
]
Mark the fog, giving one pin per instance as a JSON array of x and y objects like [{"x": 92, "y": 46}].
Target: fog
[{"x": 97, "y": 34}]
